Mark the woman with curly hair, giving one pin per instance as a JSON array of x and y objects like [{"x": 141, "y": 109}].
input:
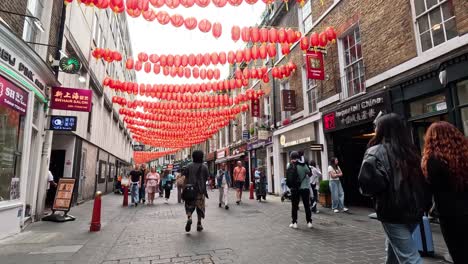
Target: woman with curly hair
[{"x": 445, "y": 164}]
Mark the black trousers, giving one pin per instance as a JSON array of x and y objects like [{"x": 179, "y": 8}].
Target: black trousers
[
  {"x": 314, "y": 200},
  {"x": 296, "y": 195},
  {"x": 167, "y": 192},
  {"x": 455, "y": 232}
]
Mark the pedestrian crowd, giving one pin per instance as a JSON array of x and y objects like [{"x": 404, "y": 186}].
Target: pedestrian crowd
[{"x": 402, "y": 184}]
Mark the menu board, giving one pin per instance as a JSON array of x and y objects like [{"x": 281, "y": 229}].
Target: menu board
[{"x": 64, "y": 194}]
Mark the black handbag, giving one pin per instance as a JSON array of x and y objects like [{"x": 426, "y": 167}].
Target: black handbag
[{"x": 190, "y": 193}]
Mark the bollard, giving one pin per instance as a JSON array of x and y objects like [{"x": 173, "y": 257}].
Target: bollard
[
  {"x": 125, "y": 195},
  {"x": 251, "y": 191},
  {"x": 96, "y": 218}
]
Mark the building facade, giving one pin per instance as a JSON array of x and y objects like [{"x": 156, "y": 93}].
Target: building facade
[
  {"x": 101, "y": 147},
  {"x": 25, "y": 80}
]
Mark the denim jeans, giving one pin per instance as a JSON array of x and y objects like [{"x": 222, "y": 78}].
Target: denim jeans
[
  {"x": 337, "y": 194},
  {"x": 401, "y": 248},
  {"x": 134, "y": 191}
]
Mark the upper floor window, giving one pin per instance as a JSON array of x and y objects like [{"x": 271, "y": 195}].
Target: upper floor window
[
  {"x": 435, "y": 21},
  {"x": 306, "y": 17},
  {"x": 284, "y": 114},
  {"x": 311, "y": 95},
  {"x": 30, "y": 30},
  {"x": 353, "y": 65}
]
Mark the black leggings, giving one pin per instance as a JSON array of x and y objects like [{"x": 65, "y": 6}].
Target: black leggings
[
  {"x": 296, "y": 195},
  {"x": 167, "y": 192}
]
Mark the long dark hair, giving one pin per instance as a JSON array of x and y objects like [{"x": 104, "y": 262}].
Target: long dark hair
[
  {"x": 391, "y": 131},
  {"x": 333, "y": 163}
]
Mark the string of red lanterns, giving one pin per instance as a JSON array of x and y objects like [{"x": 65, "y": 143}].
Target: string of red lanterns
[{"x": 318, "y": 40}]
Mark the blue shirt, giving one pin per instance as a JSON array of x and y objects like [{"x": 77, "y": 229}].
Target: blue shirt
[{"x": 169, "y": 178}]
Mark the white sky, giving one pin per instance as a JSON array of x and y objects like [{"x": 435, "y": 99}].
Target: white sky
[{"x": 152, "y": 37}]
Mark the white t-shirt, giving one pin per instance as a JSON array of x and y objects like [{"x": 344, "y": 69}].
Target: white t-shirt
[
  {"x": 330, "y": 170},
  {"x": 50, "y": 178}
]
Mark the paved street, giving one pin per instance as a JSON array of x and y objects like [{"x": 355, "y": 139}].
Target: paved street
[{"x": 250, "y": 233}]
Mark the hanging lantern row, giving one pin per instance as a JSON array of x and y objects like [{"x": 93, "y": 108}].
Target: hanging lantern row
[
  {"x": 175, "y": 71},
  {"x": 167, "y": 126},
  {"x": 265, "y": 35},
  {"x": 141, "y": 157},
  {"x": 181, "y": 116},
  {"x": 319, "y": 40},
  {"x": 261, "y": 73},
  {"x": 153, "y": 90},
  {"x": 107, "y": 55}
]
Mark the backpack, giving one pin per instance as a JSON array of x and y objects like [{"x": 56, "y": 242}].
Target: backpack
[{"x": 293, "y": 181}]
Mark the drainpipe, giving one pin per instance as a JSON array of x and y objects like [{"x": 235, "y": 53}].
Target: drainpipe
[{"x": 47, "y": 145}]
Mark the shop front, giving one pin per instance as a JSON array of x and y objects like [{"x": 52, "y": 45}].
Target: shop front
[
  {"x": 348, "y": 129},
  {"x": 24, "y": 77},
  {"x": 210, "y": 162},
  {"x": 437, "y": 95},
  {"x": 257, "y": 152}
]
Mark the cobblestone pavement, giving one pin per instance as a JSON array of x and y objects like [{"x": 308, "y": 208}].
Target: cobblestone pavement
[{"x": 250, "y": 233}]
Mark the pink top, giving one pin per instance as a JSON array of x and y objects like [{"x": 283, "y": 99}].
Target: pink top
[{"x": 152, "y": 179}]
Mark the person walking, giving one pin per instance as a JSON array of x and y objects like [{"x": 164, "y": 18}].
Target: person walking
[
  {"x": 445, "y": 165},
  {"x": 260, "y": 184},
  {"x": 391, "y": 174},
  {"x": 336, "y": 189},
  {"x": 314, "y": 181},
  {"x": 152, "y": 183},
  {"x": 239, "y": 180},
  {"x": 301, "y": 191},
  {"x": 142, "y": 193},
  {"x": 167, "y": 183},
  {"x": 135, "y": 182},
  {"x": 224, "y": 181},
  {"x": 180, "y": 184},
  {"x": 196, "y": 175},
  {"x": 51, "y": 190},
  {"x": 161, "y": 188}
]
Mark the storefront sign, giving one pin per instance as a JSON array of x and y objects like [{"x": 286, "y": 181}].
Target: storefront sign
[
  {"x": 63, "y": 123},
  {"x": 316, "y": 147},
  {"x": 15, "y": 62},
  {"x": 238, "y": 150},
  {"x": 221, "y": 154},
  {"x": 358, "y": 113},
  {"x": 138, "y": 147},
  {"x": 245, "y": 134},
  {"x": 256, "y": 145},
  {"x": 64, "y": 194},
  {"x": 170, "y": 166},
  {"x": 315, "y": 69},
  {"x": 210, "y": 156},
  {"x": 71, "y": 99},
  {"x": 263, "y": 134},
  {"x": 298, "y": 136},
  {"x": 12, "y": 96},
  {"x": 255, "y": 107},
  {"x": 288, "y": 100}
]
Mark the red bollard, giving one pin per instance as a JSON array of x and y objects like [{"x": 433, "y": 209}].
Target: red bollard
[
  {"x": 125, "y": 195},
  {"x": 96, "y": 218},
  {"x": 251, "y": 191}
]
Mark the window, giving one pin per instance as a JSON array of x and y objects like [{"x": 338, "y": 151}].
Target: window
[
  {"x": 311, "y": 91},
  {"x": 90, "y": 119},
  {"x": 435, "y": 21},
  {"x": 30, "y": 31},
  {"x": 353, "y": 79},
  {"x": 462, "y": 92},
  {"x": 428, "y": 105},
  {"x": 284, "y": 114},
  {"x": 306, "y": 12},
  {"x": 96, "y": 31}
]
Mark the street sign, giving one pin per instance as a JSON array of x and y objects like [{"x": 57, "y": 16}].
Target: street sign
[
  {"x": 70, "y": 65},
  {"x": 288, "y": 100},
  {"x": 64, "y": 194},
  {"x": 71, "y": 99},
  {"x": 63, "y": 123},
  {"x": 138, "y": 147}
]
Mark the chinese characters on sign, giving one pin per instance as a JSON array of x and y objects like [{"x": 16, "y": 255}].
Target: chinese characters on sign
[
  {"x": 64, "y": 194},
  {"x": 315, "y": 67},
  {"x": 12, "y": 96},
  {"x": 255, "y": 107},
  {"x": 289, "y": 100},
  {"x": 355, "y": 114},
  {"x": 71, "y": 99},
  {"x": 63, "y": 123}
]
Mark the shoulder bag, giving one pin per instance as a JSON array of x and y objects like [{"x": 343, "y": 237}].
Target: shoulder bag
[{"x": 190, "y": 192}]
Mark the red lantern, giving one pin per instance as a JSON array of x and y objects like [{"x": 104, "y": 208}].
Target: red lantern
[
  {"x": 263, "y": 35},
  {"x": 246, "y": 73},
  {"x": 239, "y": 56},
  {"x": 217, "y": 30},
  {"x": 214, "y": 58},
  {"x": 202, "y": 3},
  {"x": 117, "y": 6},
  {"x": 254, "y": 33},
  {"x": 154, "y": 58},
  {"x": 219, "y": 3},
  {"x": 187, "y": 3},
  {"x": 251, "y": 2},
  {"x": 163, "y": 17},
  {"x": 255, "y": 52},
  {"x": 149, "y": 15},
  {"x": 235, "y": 2},
  {"x": 143, "y": 57},
  {"x": 195, "y": 72},
  {"x": 192, "y": 60},
  {"x": 245, "y": 33},
  {"x": 147, "y": 67},
  {"x": 304, "y": 44},
  {"x": 231, "y": 57},
  {"x": 184, "y": 60},
  {"x": 216, "y": 74},
  {"x": 204, "y": 25},
  {"x": 314, "y": 39},
  {"x": 323, "y": 41},
  {"x": 292, "y": 66},
  {"x": 190, "y": 23},
  {"x": 206, "y": 59},
  {"x": 177, "y": 60},
  {"x": 247, "y": 55},
  {"x": 263, "y": 51},
  {"x": 291, "y": 36},
  {"x": 209, "y": 74},
  {"x": 172, "y": 3},
  {"x": 271, "y": 49},
  {"x": 138, "y": 65},
  {"x": 282, "y": 35},
  {"x": 222, "y": 57},
  {"x": 235, "y": 33},
  {"x": 129, "y": 64},
  {"x": 199, "y": 60},
  {"x": 163, "y": 60},
  {"x": 156, "y": 68},
  {"x": 273, "y": 35},
  {"x": 331, "y": 34},
  {"x": 266, "y": 79},
  {"x": 177, "y": 20},
  {"x": 170, "y": 60}
]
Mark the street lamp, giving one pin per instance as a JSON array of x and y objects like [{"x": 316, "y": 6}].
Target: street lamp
[{"x": 37, "y": 21}]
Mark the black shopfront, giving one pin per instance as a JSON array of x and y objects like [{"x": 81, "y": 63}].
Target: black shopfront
[
  {"x": 348, "y": 129},
  {"x": 438, "y": 94}
]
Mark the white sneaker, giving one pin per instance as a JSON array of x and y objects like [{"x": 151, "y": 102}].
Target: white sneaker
[
  {"x": 345, "y": 209},
  {"x": 166, "y": 201},
  {"x": 293, "y": 225},
  {"x": 336, "y": 211},
  {"x": 309, "y": 225}
]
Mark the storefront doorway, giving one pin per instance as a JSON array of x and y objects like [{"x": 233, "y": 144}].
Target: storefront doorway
[
  {"x": 419, "y": 128},
  {"x": 349, "y": 147}
]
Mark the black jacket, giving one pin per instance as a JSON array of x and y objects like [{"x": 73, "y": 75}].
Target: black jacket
[
  {"x": 198, "y": 180},
  {"x": 396, "y": 200}
]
